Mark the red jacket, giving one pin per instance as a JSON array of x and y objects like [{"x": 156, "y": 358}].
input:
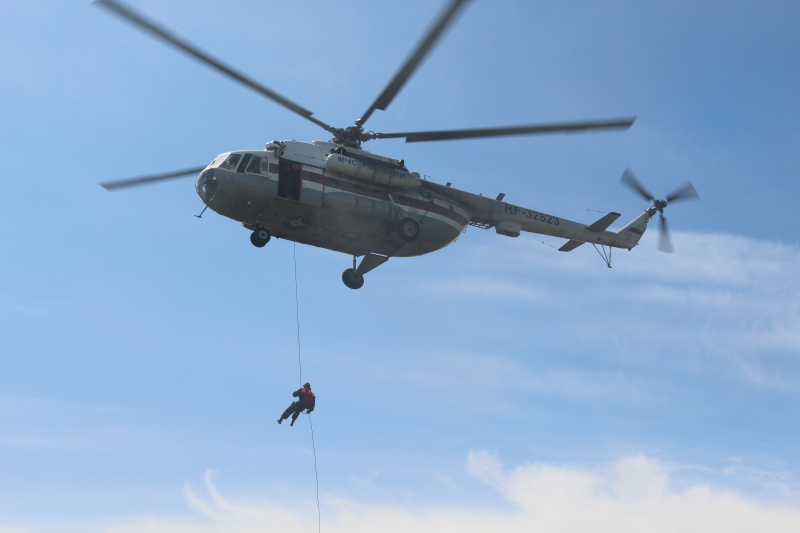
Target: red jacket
[{"x": 306, "y": 397}]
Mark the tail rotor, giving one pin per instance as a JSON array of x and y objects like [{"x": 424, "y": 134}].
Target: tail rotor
[{"x": 685, "y": 192}]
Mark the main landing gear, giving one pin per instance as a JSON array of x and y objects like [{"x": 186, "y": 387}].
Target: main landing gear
[
  {"x": 260, "y": 237},
  {"x": 353, "y": 278},
  {"x": 408, "y": 229}
]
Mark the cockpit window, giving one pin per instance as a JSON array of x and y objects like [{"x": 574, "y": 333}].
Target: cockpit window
[
  {"x": 231, "y": 162},
  {"x": 256, "y": 166}
]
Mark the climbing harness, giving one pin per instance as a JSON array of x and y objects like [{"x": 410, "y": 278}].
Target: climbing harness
[{"x": 300, "y": 369}]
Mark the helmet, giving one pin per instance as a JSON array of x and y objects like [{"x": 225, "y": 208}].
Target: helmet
[{"x": 307, "y": 385}]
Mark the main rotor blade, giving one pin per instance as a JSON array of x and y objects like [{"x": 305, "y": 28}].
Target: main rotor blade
[
  {"x": 664, "y": 242},
  {"x": 414, "y": 60},
  {"x": 630, "y": 180},
  {"x": 144, "y": 180},
  {"x": 687, "y": 192},
  {"x": 203, "y": 57},
  {"x": 562, "y": 127}
]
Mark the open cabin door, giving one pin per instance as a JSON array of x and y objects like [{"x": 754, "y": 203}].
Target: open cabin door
[
  {"x": 289, "y": 180},
  {"x": 292, "y": 186}
]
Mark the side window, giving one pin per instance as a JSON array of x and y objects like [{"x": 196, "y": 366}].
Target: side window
[
  {"x": 255, "y": 166},
  {"x": 245, "y": 161},
  {"x": 231, "y": 162}
]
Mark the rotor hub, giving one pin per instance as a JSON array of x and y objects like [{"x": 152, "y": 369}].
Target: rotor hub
[{"x": 351, "y": 136}]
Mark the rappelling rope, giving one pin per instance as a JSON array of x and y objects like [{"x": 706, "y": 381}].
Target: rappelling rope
[
  {"x": 300, "y": 368},
  {"x": 316, "y": 474},
  {"x": 297, "y": 312}
]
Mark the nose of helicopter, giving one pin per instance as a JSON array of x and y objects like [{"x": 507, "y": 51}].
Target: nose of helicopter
[{"x": 206, "y": 185}]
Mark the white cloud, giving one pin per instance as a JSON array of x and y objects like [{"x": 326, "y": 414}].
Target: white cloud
[
  {"x": 632, "y": 494},
  {"x": 721, "y": 300},
  {"x": 714, "y": 259}
]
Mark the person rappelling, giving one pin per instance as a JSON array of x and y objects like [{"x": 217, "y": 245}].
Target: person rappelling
[{"x": 305, "y": 400}]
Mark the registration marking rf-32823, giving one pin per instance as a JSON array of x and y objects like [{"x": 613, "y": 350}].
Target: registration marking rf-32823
[{"x": 533, "y": 215}]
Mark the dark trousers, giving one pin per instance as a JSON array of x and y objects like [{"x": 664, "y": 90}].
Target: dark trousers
[{"x": 294, "y": 410}]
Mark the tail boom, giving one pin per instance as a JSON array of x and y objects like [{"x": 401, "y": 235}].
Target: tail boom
[{"x": 596, "y": 233}]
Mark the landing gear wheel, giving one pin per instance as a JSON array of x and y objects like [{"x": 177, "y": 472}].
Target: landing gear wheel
[
  {"x": 408, "y": 229},
  {"x": 260, "y": 237},
  {"x": 352, "y": 279}
]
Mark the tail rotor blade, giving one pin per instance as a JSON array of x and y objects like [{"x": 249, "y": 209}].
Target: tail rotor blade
[
  {"x": 687, "y": 192},
  {"x": 630, "y": 180},
  {"x": 664, "y": 241}
]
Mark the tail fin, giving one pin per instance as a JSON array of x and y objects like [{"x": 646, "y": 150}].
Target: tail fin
[{"x": 631, "y": 233}]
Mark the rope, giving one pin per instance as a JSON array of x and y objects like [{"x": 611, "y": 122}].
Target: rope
[
  {"x": 297, "y": 311},
  {"x": 316, "y": 474},
  {"x": 300, "y": 368}
]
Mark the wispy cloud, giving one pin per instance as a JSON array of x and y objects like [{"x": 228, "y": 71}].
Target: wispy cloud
[
  {"x": 39, "y": 423},
  {"x": 720, "y": 301},
  {"x": 632, "y": 494},
  {"x": 635, "y": 493}
]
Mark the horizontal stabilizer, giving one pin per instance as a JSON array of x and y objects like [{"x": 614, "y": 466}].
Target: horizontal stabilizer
[
  {"x": 570, "y": 245},
  {"x": 604, "y": 222},
  {"x": 596, "y": 227}
]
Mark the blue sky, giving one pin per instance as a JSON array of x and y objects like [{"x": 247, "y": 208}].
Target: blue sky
[{"x": 495, "y": 384}]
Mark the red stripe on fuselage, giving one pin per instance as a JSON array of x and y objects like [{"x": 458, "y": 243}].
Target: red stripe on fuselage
[{"x": 379, "y": 194}]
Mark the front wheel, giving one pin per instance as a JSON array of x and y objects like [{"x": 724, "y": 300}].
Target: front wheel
[
  {"x": 260, "y": 237},
  {"x": 408, "y": 229},
  {"x": 352, "y": 279}
]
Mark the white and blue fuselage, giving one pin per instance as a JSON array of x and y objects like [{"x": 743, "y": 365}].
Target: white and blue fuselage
[{"x": 290, "y": 191}]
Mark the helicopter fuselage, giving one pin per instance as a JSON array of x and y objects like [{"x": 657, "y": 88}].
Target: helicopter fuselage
[
  {"x": 352, "y": 201},
  {"x": 290, "y": 191}
]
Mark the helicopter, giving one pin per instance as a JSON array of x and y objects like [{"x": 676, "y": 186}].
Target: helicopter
[{"x": 335, "y": 195}]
